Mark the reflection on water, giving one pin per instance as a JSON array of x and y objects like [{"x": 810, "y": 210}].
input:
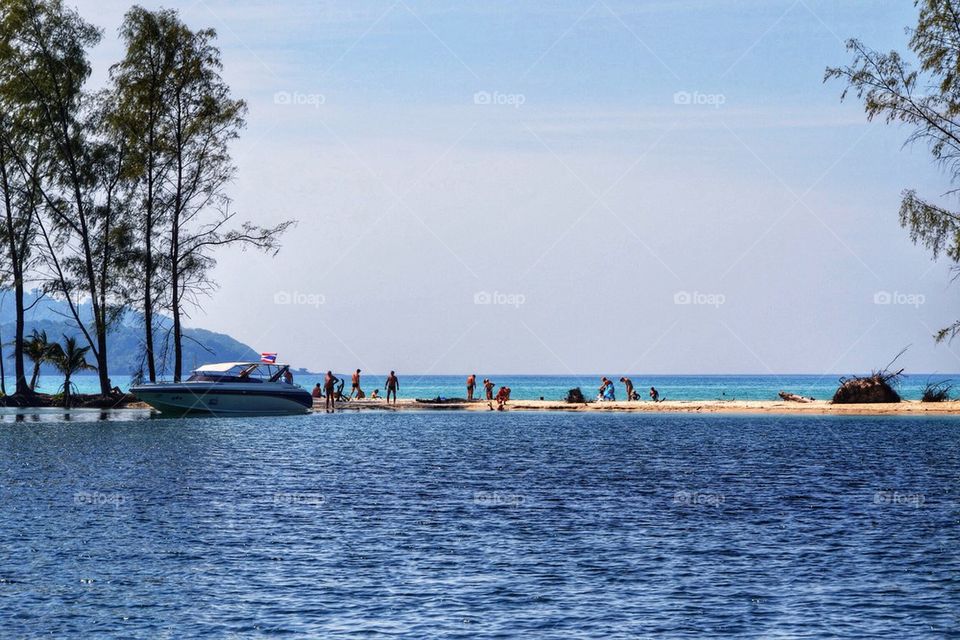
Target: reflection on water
[{"x": 58, "y": 414}]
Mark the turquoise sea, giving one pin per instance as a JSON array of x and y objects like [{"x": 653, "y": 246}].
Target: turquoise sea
[{"x": 533, "y": 387}]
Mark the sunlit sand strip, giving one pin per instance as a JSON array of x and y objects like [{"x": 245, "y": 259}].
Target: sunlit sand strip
[{"x": 819, "y": 407}]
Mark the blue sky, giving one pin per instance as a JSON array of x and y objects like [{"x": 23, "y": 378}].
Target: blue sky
[{"x": 585, "y": 167}]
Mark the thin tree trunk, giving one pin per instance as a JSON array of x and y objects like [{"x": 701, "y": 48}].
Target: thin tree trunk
[
  {"x": 175, "y": 310},
  {"x": 17, "y": 269},
  {"x": 148, "y": 286},
  {"x": 105, "y": 386},
  {"x": 19, "y": 369},
  {"x": 148, "y": 250},
  {"x": 3, "y": 374},
  {"x": 177, "y": 350},
  {"x": 175, "y": 253}
]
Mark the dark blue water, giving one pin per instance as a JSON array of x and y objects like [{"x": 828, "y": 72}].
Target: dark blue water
[{"x": 481, "y": 525}]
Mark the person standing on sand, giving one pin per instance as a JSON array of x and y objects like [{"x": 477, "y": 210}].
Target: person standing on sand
[
  {"x": 355, "y": 386},
  {"x": 392, "y": 384},
  {"x": 654, "y": 395},
  {"x": 329, "y": 384},
  {"x": 488, "y": 388},
  {"x": 471, "y": 384},
  {"x": 628, "y": 384}
]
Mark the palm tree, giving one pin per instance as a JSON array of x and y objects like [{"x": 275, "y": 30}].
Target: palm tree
[
  {"x": 69, "y": 359},
  {"x": 38, "y": 349}
]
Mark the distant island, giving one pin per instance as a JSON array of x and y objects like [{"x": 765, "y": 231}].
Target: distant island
[{"x": 48, "y": 314}]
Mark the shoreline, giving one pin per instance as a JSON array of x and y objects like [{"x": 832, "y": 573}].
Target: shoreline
[
  {"x": 817, "y": 407},
  {"x": 742, "y": 407}
]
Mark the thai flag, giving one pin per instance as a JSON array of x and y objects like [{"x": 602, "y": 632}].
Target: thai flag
[{"x": 269, "y": 358}]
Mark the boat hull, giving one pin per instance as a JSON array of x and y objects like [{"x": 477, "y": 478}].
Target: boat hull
[{"x": 193, "y": 398}]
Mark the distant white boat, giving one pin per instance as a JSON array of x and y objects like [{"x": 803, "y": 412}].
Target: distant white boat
[{"x": 229, "y": 388}]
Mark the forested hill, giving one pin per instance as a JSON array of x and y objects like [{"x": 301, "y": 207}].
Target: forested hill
[{"x": 125, "y": 347}]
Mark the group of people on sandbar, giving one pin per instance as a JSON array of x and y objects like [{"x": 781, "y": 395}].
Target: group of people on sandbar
[
  {"x": 607, "y": 391},
  {"x": 501, "y": 397},
  {"x": 332, "y": 390}
]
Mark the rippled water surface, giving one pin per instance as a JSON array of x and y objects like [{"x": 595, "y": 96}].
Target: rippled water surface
[{"x": 480, "y": 525}]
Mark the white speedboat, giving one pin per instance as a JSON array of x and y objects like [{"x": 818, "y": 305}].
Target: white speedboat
[{"x": 229, "y": 388}]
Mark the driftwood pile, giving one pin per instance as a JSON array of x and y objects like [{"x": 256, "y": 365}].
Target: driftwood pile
[
  {"x": 872, "y": 389},
  {"x": 792, "y": 397},
  {"x": 878, "y": 387},
  {"x": 937, "y": 392}
]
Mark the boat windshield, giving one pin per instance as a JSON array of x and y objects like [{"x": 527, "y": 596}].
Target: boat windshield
[{"x": 251, "y": 372}]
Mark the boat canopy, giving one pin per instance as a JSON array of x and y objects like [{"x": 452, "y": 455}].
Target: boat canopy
[{"x": 223, "y": 367}]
